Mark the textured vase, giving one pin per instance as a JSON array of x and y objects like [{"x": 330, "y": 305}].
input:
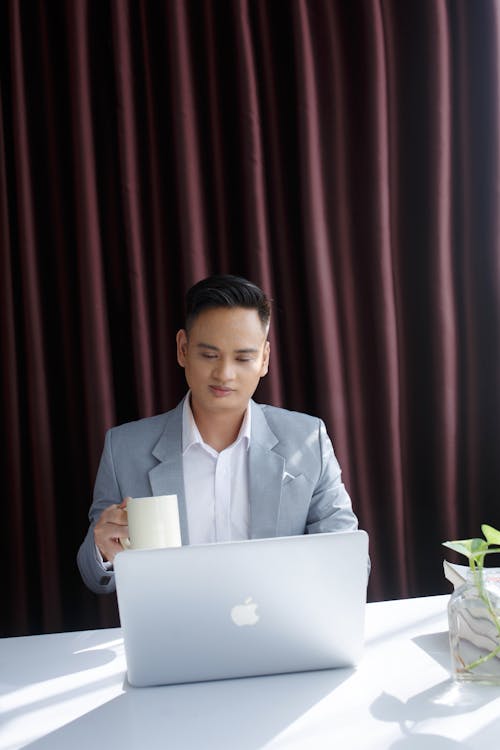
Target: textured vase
[{"x": 474, "y": 625}]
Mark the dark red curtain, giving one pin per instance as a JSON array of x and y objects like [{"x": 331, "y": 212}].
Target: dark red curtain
[{"x": 345, "y": 156}]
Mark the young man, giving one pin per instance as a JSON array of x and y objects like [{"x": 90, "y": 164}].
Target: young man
[{"x": 240, "y": 470}]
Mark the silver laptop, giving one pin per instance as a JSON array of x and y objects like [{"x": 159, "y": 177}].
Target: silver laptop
[{"x": 241, "y": 609}]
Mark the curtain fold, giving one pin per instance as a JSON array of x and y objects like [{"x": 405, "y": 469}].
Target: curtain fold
[
  {"x": 476, "y": 238},
  {"x": 187, "y": 140},
  {"x": 16, "y": 590},
  {"x": 325, "y": 354},
  {"x": 130, "y": 119},
  {"x": 442, "y": 282},
  {"x": 93, "y": 331},
  {"x": 38, "y": 487},
  {"x": 345, "y": 156}
]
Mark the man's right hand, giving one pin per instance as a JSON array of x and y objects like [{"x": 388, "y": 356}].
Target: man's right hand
[{"x": 110, "y": 528}]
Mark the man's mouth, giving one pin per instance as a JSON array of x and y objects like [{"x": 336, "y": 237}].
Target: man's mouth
[{"x": 220, "y": 391}]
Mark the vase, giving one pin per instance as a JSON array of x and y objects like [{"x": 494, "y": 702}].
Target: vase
[{"x": 474, "y": 628}]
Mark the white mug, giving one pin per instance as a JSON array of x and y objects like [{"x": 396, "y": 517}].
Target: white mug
[{"x": 153, "y": 522}]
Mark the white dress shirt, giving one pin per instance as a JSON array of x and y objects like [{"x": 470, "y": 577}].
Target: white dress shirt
[{"x": 215, "y": 484}]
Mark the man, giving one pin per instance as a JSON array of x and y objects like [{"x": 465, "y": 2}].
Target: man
[{"x": 240, "y": 470}]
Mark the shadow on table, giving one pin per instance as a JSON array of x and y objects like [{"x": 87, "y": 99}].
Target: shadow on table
[
  {"x": 444, "y": 700},
  {"x": 436, "y": 645},
  {"x": 34, "y": 684},
  {"x": 243, "y": 713},
  {"x": 62, "y": 656}
]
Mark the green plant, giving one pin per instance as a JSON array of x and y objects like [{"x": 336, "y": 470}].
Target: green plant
[{"x": 476, "y": 550}]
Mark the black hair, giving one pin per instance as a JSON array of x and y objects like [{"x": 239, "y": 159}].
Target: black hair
[{"x": 225, "y": 290}]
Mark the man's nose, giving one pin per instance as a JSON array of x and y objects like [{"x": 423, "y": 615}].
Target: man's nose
[{"x": 224, "y": 369}]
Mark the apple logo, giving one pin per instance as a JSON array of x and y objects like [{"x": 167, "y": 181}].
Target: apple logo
[{"x": 245, "y": 614}]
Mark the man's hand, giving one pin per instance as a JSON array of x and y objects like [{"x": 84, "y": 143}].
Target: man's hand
[{"x": 110, "y": 528}]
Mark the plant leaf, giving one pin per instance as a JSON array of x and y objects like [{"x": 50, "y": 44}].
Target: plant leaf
[
  {"x": 463, "y": 546},
  {"x": 472, "y": 548},
  {"x": 492, "y": 535}
]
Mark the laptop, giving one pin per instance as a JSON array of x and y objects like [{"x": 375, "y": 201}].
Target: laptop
[{"x": 241, "y": 609}]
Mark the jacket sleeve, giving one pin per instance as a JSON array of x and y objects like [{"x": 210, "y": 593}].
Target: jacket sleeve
[
  {"x": 99, "y": 576},
  {"x": 330, "y": 508}
]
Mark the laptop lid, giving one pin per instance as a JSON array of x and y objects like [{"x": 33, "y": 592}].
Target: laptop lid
[{"x": 241, "y": 609}]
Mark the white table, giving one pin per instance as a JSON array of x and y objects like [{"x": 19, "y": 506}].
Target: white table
[{"x": 68, "y": 691}]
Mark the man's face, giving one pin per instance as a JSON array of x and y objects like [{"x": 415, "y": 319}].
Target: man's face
[{"x": 224, "y": 356}]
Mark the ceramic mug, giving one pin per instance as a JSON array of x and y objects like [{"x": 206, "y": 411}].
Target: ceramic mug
[{"x": 153, "y": 522}]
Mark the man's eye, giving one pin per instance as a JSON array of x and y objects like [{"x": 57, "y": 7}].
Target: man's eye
[
  {"x": 244, "y": 359},
  {"x": 209, "y": 356}
]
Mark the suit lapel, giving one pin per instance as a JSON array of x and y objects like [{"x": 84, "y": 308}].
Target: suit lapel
[
  {"x": 265, "y": 477},
  {"x": 167, "y": 478}
]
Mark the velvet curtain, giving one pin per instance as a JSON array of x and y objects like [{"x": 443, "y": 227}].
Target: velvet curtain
[{"x": 345, "y": 156}]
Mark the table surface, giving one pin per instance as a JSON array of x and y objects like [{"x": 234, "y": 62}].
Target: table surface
[{"x": 68, "y": 690}]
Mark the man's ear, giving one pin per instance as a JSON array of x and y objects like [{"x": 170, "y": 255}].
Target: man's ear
[
  {"x": 265, "y": 359},
  {"x": 181, "y": 340}
]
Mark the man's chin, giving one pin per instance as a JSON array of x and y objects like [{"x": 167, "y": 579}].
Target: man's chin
[
  {"x": 226, "y": 403},
  {"x": 231, "y": 402}
]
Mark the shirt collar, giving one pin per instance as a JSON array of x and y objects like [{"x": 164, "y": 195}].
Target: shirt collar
[{"x": 191, "y": 434}]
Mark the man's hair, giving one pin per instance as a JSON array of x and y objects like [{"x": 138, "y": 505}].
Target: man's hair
[{"x": 225, "y": 290}]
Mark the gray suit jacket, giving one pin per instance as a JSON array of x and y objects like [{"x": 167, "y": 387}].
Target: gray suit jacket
[{"x": 295, "y": 482}]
